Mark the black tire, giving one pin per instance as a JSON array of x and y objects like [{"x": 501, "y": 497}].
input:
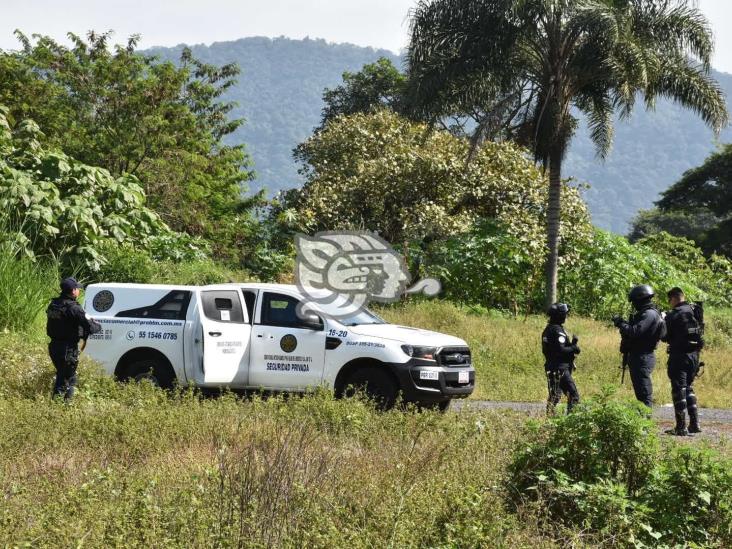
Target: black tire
[
  {"x": 153, "y": 371},
  {"x": 376, "y": 383}
]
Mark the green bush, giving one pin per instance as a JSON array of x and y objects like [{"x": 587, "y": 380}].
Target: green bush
[
  {"x": 64, "y": 208},
  {"x": 601, "y": 440},
  {"x": 123, "y": 263},
  {"x": 599, "y": 470},
  {"x": 690, "y": 498},
  {"x": 489, "y": 267},
  {"x": 598, "y": 283},
  {"x": 713, "y": 275}
]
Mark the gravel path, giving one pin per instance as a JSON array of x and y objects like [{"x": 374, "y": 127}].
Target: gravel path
[
  {"x": 716, "y": 423},
  {"x": 539, "y": 408}
]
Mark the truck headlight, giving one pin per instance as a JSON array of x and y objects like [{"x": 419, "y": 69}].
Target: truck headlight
[{"x": 417, "y": 351}]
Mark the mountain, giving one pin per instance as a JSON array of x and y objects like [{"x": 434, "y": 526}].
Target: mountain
[{"x": 279, "y": 94}]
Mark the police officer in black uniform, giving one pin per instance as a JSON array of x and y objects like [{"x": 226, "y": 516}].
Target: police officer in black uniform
[
  {"x": 684, "y": 340},
  {"x": 641, "y": 334},
  {"x": 559, "y": 352},
  {"x": 67, "y": 324}
]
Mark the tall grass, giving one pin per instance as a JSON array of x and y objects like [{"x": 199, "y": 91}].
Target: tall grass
[
  {"x": 509, "y": 362},
  {"x": 25, "y": 288},
  {"x": 137, "y": 468}
]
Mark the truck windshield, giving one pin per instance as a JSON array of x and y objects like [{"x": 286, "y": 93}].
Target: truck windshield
[{"x": 364, "y": 316}]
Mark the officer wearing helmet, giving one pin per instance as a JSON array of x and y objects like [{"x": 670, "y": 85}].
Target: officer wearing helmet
[
  {"x": 67, "y": 324},
  {"x": 559, "y": 352},
  {"x": 640, "y": 336}
]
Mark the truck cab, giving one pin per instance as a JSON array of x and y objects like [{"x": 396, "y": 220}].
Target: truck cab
[{"x": 250, "y": 336}]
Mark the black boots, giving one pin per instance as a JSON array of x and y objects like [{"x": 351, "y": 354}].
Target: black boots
[
  {"x": 680, "y": 429},
  {"x": 694, "y": 421},
  {"x": 680, "y": 413},
  {"x": 693, "y": 411}
]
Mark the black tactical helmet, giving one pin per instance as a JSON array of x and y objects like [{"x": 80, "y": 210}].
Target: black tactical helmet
[
  {"x": 641, "y": 293},
  {"x": 558, "y": 313}
]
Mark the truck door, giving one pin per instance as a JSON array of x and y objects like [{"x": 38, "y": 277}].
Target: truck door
[
  {"x": 226, "y": 335},
  {"x": 287, "y": 351}
]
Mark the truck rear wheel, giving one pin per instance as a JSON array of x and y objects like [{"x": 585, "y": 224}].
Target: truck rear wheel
[
  {"x": 376, "y": 383},
  {"x": 153, "y": 371}
]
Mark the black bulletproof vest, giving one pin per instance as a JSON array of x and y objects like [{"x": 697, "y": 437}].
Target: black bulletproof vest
[
  {"x": 684, "y": 331},
  {"x": 61, "y": 324}
]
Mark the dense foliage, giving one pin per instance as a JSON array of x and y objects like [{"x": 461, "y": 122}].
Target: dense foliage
[
  {"x": 599, "y": 469},
  {"x": 598, "y": 282},
  {"x": 489, "y": 267},
  {"x": 698, "y": 206},
  {"x": 384, "y": 173},
  {"x": 56, "y": 206},
  {"x": 376, "y": 86},
  {"x": 688, "y": 223},
  {"x": 131, "y": 114}
]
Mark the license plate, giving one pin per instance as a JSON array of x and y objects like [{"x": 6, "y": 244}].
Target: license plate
[
  {"x": 428, "y": 374},
  {"x": 463, "y": 377}
]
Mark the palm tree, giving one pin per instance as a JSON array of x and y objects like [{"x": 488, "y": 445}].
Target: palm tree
[{"x": 533, "y": 63}]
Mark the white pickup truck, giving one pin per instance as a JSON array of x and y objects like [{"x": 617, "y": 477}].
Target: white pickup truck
[{"x": 249, "y": 336}]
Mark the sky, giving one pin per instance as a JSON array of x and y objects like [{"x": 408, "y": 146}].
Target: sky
[{"x": 376, "y": 23}]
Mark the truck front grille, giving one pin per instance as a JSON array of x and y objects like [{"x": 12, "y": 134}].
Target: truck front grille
[{"x": 455, "y": 357}]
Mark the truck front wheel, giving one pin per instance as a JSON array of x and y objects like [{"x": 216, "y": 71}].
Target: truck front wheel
[
  {"x": 376, "y": 383},
  {"x": 153, "y": 371}
]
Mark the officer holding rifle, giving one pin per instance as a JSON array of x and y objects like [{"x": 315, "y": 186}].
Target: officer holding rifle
[{"x": 640, "y": 335}]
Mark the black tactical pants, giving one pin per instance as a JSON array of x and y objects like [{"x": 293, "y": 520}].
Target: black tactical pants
[
  {"x": 65, "y": 357},
  {"x": 559, "y": 381},
  {"x": 682, "y": 370},
  {"x": 641, "y": 367}
]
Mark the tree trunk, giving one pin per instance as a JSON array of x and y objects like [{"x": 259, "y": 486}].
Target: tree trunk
[{"x": 552, "y": 225}]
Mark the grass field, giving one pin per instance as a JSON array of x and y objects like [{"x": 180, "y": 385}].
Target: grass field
[
  {"x": 509, "y": 363},
  {"x": 132, "y": 466}
]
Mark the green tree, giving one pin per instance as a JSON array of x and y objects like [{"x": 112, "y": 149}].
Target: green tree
[
  {"x": 689, "y": 223},
  {"x": 544, "y": 58},
  {"x": 55, "y": 206},
  {"x": 384, "y": 173},
  {"x": 113, "y": 107},
  {"x": 709, "y": 188},
  {"x": 377, "y": 85}
]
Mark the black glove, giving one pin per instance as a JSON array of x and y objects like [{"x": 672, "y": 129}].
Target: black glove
[
  {"x": 618, "y": 320},
  {"x": 574, "y": 344}
]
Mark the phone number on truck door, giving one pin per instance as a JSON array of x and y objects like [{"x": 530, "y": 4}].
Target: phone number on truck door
[{"x": 157, "y": 335}]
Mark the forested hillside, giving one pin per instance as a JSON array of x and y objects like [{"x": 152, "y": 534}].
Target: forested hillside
[{"x": 279, "y": 94}]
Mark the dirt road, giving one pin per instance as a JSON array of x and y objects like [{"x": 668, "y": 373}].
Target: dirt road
[{"x": 716, "y": 423}]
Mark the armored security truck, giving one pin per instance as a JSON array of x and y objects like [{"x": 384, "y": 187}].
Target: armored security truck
[{"x": 254, "y": 336}]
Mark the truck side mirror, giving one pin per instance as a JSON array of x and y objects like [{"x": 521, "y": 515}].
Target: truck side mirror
[{"x": 311, "y": 321}]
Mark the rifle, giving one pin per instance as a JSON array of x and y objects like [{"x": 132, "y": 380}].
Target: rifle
[
  {"x": 623, "y": 350},
  {"x": 624, "y": 367}
]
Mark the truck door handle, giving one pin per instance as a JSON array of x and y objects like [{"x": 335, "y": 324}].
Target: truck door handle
[{"x": 214, "y": 334}]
